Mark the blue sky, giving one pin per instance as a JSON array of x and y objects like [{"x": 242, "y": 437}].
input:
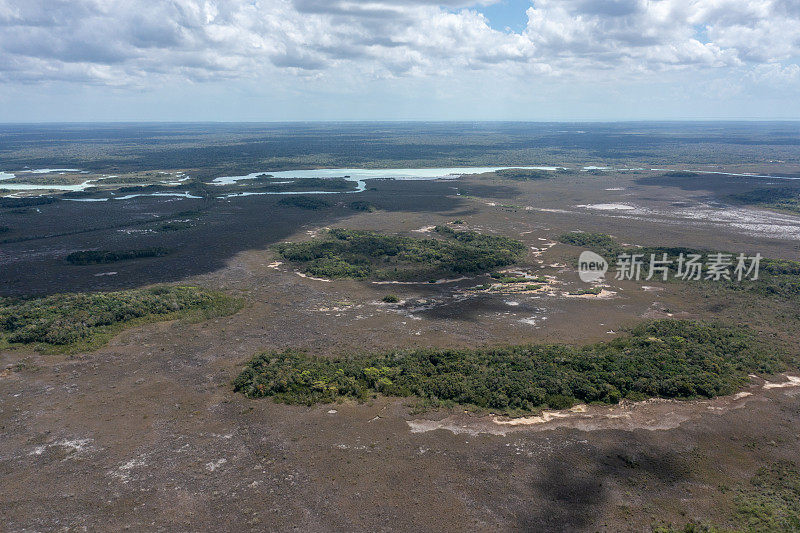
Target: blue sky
[
  {"x": 506, "y": 14},
  {"x": 263, "y": 60}
]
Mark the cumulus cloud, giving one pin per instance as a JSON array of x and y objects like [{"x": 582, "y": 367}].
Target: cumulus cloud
[{"x": 123, "y": 43}]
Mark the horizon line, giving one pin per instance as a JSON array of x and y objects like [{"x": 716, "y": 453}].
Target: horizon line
[{"x": 409, "y": 121}]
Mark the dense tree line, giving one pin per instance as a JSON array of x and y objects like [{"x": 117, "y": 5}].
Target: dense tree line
[
  {"x": 524, "y": 174},
  {"x": 92, "y": 257},
  {"x": 777, "y": 277},
  {"x": 69, "y": 319},
  {"x": 784, "y": 198},
  {"x": 365, "y": 254},
  {"x": 27, "y": 201},
  {"x": 664, "y": 358},
  {"x": 304, "y": 202}
]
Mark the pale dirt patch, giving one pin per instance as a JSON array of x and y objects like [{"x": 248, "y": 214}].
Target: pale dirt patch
[
  {"x": 342, "y": 306},
  {"x": 74, "y": 447},
  {"x": 424, "y": 229},
  {"x": 302, "y": 275},
  {"x": 214, "y": 465},
  {"x": 315, "y": 232},
  {"x": 654, "y": 414},
  {"x": 608, "y": 207},
  {"x": 792, "y": 381},
  {"x": 603, "y": 295},
  {"x": 438, "y": 281},
  {"x": 123, "y": 471},
  {"x": 536, "y": 251}
]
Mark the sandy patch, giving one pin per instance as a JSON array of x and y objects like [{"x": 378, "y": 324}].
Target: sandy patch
[
  {"x": 302, "y": 275},
  {"x": 424, "y": 229},
  {"x": 792, "y": 381},
  {"x": 438, "y": 281},
  {"x": 73, "y": 446},
  {"x": 655, "y": 414},
  {"x": 123, "y": 471},
  {"x": 603, "y": 295},
  {"x": 608, "y": 207},
  {"x": 648, "y": 288},
  {"x": 214, "y": 465}
]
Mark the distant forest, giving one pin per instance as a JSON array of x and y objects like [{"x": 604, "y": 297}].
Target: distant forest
[{"x": 222, "y": 149}]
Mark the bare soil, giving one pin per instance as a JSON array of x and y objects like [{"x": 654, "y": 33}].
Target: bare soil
[{"x": 146, "y": 434}]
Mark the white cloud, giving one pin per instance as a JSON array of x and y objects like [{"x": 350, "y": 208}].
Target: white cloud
[{"x": 140, "y": 43}]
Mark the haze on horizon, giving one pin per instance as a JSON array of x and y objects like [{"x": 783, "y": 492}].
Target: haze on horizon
[{"x": 308, "y": 60}]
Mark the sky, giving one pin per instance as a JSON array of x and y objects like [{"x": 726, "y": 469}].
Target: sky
[{"x": 308, "y": 60}]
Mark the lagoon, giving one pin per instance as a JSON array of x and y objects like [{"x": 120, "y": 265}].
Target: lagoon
[{"x": 359, "y": 174}]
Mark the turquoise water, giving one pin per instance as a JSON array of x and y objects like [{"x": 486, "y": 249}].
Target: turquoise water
[{"x": 359, "y": 174}]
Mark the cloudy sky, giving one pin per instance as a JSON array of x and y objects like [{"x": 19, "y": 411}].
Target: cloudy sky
[{"x": 273, "y": 60}]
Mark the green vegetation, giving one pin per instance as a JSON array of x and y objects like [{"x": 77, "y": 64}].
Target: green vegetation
[
  {"x": 518, "y": 279},
  {"x": 610, "y": 249},
  {"x": 136, "y": 179},
  {"x": 513, "y": 279},
  {"x": 362, "y": 205},
  {"x": 177, "y": 225},
  {"x": 581, "y": 292},
  {"x": 523, "y": 174},
  {"x": 80, "y": 321},
  {"x": 141, "y": 189},
  {"x": 303, "y": 202},
  {"x": 364, "y": 254},
  {"x": 771, "y": 501},
  {"x": 27, "y": 201},
  {"x": 390, "y": 299},
  {"x": 768, "y": 503},
  {"x": 47, "y": 179},
  {"x": 94, "y": 257},
  {"x": 777, "y": 277},
  {"x": 665, "y": 358},
  {"x": 532, "y": 287},
  {"x": 783, "y": 199},
  {"x": 88, "y": 192},
  {"x": 599, "y": 243},
  {"x": 681, "y": 174},
  {"x": 271, "y": 184},
  {"x": 316, "y": 184}
]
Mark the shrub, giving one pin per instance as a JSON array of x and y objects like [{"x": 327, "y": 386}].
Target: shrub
[
  {"x": 366, "y": 254},
  {"x": 783, "y": 198},
  {"x": 93, "y": 257},
  {"x": 513, "y": 279},
  {"x": 592, "y": 290},
  {"x": 523, "y": 174},
  {"x": 777, "y": 277},
  {"x": 665, "y": 358},
  {"x": 86, "y": 319},
  {"x": 303, "y": 202},
  {"x": 681, "y": 174},
  {"x": 174, "y": 226},
  {"x": 27, "y": 202},
  {"x": 361, "y": 205}
]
